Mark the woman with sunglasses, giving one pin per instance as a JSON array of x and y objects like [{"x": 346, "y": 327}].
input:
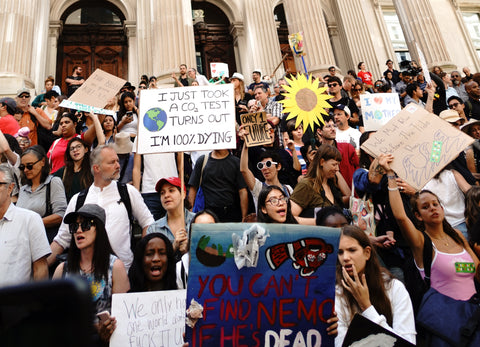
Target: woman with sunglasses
[
  {"x": 41, "y": 192},
  {"x": 91, "y": 257},
  {"x": 274, "y": 206},
  {"x": 76, "y": 175},
  {"x": 269, "y": 165}
]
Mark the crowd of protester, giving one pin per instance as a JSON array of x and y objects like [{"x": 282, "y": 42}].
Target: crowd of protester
[{"x": 72, "y": 183}]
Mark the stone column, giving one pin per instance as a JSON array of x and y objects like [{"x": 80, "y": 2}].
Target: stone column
[
  {"x": 131, "y": 31},
  {"x": 419, "y": 25},
  {"x": 18, "y": 23},
  {"x": 263, "y": 50},
  {"x": 307, "y": 16},
  {"x": 355, "y": 36},
  {"x": 165, "y": 37},
  {"x": 54, "y": 32}
]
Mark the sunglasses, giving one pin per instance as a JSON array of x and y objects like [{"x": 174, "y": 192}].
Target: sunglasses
[
  {"x": 85, "y": 225},
  {"x": 23, "y": 96},
  {"x": 455, "y": 104},
  {"x": 455, "y": 76},
  {"x": 358, "y": 89},
  {"x": 331, "y": 85},
  {"x": 28, "y": 166},
  {"x": 267, "y": 164}
]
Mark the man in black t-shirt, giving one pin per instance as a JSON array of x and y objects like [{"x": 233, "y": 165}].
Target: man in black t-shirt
[
  {"x": 257, "y": 82},
  {"x": 335, "y": 89},
  {"x": 75, "y": 80}
]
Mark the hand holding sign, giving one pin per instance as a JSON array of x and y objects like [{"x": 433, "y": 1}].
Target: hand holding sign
[{"x": 254, "y": 129}]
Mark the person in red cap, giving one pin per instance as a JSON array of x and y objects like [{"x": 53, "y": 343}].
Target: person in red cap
[{"x": 176, "y": 222}]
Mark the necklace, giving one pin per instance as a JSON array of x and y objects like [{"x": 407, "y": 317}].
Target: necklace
[{"x": 443, "y": 239}]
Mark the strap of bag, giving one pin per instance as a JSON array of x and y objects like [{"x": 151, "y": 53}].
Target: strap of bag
[
  {"x": 125, "y": 198},
  {"x": 48, "y": 206},
  {"x": 427, "y": 258}
]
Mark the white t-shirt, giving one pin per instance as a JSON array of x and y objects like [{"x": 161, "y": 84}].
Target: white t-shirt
[
  {"x": 350, "y": 135},
  {"x": 23, "y": 241}
]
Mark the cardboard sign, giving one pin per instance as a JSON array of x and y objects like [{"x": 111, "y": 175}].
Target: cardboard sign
[
  {"x": 421, "y": 142},
  {"x": 98, "y": 89},
  {"x": 86, "y": 108},
  {"x": 378, "y": 109},
  {"x": 363, "y": 332},
  {"x": 149, "y": 319},
  {"x": 186, "y": 119},
  {"x": 219, "y": 69},
  {"x": 255, "y": 124},
  {"x": 282, "y": 297},
  {"x": 423, "y": 64}
]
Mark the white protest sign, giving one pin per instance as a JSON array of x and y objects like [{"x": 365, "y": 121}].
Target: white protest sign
[
  {"x": 219, "y": 69},
  {"x": 378, "y": 109},
  {"x": 423, "y": 64},
  {"x": 186, "y": 119},
  {"x": 149, "y": 319},
  {"x": 81, "y": 107}
]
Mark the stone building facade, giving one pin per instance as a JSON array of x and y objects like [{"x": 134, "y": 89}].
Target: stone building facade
[{"x": 134, "y": 37}]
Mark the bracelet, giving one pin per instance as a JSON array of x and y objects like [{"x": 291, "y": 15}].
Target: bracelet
[
  {"x": 391, "y": 177},
  {"x": 392, "y": 189}
]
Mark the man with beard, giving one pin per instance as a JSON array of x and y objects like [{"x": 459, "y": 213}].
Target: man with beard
[
  {"x": 458, "y": 85},
  {"x": 105, "y": 192}
]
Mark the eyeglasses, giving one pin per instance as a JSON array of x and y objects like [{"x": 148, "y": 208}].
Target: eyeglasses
[
  {"x": 85, "y": 225},
  {"x": 276, "y": 201},
  {"x": 74, "y": 148},
  {"x": 331, "y": 85},
  {"x": 268, "y": 164},
  {"x": 377, "y": 85},
  {"x": 24, "y": 96},
  {"x": 28, "y": 166},
  {"x": 455, "y": 104},
  {"x": 455, "y": 76},
  {"x": 332, "y": 70}
]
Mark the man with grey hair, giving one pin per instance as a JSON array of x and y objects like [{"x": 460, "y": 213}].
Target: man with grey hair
[
  {"x": 23, "y": 241},
  {"x": 458, "y": 85},
  {"x": 105, "y": 192},
  {"x": 201, "y": 80}
]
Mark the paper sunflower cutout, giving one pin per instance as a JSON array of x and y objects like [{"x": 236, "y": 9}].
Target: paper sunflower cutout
[{"x": 305, "y": 100}]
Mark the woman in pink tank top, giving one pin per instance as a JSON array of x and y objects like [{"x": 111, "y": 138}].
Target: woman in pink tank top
[{"x": 454, "y": 264}]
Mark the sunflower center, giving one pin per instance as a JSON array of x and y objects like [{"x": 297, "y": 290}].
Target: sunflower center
[{"x": 306, "y": 99}]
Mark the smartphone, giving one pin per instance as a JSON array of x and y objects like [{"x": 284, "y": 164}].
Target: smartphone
[{"x": 103, "y": 316}]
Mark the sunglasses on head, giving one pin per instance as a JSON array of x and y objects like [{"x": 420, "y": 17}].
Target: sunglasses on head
[
  {"x": 28, "y": 166},
  {"x": 85, "y": 225},
  {"x": 267, "y": 164}
]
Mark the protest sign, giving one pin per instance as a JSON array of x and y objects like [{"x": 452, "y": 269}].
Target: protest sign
[
  {"x": 378, "y": 109},
  {"x": 282, "y": 296},
  {"x": 423, "y": 64},
  {"x": 85, "y": 108},
  {"x": 421, "y": 142},
  {"x": 97, "y": 89},
  {"x": 186, "y": 119},
  {"x": 219, "y": 69},
  {"x": 149, "y": 319},
  {"x": 363, "y": 332},
  {"x": 255, "y": 124}
]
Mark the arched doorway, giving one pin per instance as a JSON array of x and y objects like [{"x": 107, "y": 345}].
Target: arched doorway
[
  {"x": 282, "y": 31},
  {"x": 213, "y": 41},
  {"x": 93, "y": 36}
]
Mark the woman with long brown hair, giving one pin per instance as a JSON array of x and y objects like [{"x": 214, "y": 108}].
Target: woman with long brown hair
[
  {"x": 323, "y": 184},
  {"x": 365, "y": 288}
]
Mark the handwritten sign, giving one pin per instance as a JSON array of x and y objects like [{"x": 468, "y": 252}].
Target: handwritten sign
[
  {"x": 378, "y": 109},
  {"x": 85, "y": 108},
  {"x": 186, "y": 119},
  {"x": 421, "y": 142},
  {"x": 149, "y": 319},
  {"x": 255, "y": 124},
  {"x": 423, "y": 64},
  {"x": 98, "y": 89},
  {"x": 284, "y": 300},
  {"x": 219, "y": 69}
]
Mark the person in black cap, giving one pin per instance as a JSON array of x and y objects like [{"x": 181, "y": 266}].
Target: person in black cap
[
  {"x": 127, "y": 87},
  {"x": 8, "y": 124}
]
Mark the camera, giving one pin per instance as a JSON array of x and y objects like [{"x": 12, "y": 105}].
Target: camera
[{"x": 410, "y": 67}]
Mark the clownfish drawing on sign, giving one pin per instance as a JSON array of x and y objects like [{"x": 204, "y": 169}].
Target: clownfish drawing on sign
[{"x": 307, "y": 254}]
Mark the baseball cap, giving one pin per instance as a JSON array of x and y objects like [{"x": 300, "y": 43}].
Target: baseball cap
[
  {"x": 258, "y": 71},
  {"x": 343, "y": 108},
  {"x": 238, "y": 76},
  {"x": 11, "y": 104},
  {"x": 23, "y": 91},
  {"x": 87, "y": 210},
  {"x": 174, "y": 181}
]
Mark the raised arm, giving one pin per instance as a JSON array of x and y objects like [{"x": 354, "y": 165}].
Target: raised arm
[{"x": 246, "y": 173}]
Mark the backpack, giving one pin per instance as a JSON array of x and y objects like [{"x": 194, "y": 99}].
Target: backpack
[{"x": 124, "y": 197}]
